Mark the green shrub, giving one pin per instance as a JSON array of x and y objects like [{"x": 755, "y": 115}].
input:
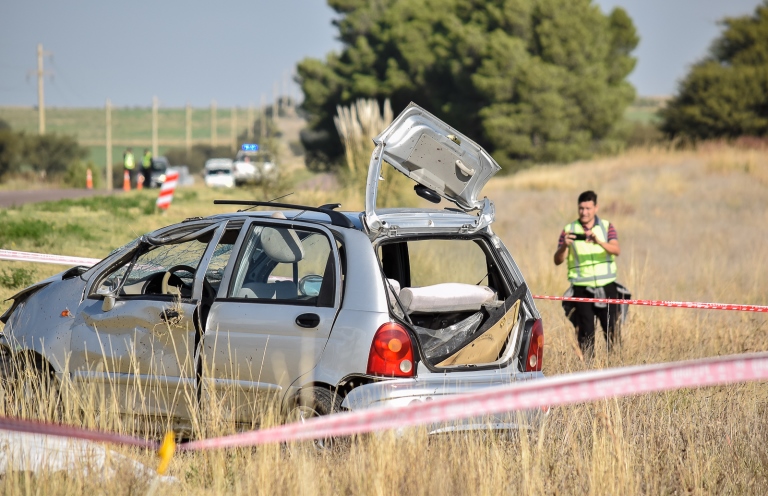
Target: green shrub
[
  {"x": 16, "y": 231},
  {"x": 17, "y": 278},
  {"x": 77, "y": 173}
]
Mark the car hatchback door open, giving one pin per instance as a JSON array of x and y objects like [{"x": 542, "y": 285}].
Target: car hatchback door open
[{"x": 443, "y": 162}]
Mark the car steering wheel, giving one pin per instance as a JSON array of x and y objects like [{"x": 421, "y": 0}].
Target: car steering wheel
[{"x": 164, "y": 287}]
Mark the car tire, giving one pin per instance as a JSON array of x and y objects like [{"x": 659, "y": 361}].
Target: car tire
[
  {"x": 315, "y": 402},
  {"x": 29, "y": 388}
]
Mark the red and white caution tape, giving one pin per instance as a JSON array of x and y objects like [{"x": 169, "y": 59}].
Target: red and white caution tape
[
  {"x": 527, "y": 395},
  {"x": 553, "y": 391},
  {"x": 35, "y": 427},
  {"x": 659, "y": 303},
  {"x": 24, "y": 256},
  {"x": 167, "y": 189}
]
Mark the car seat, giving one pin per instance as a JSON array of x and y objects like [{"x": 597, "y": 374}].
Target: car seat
[{"x": 280, "y": 246}]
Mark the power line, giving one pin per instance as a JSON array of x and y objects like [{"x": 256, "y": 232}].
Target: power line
[{"x": 62, "y": 77}]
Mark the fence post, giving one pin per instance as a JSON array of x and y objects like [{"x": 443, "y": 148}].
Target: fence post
[
  {"x": 213, "y": 123},
  {"x": 108, "y": 108},
  {"x": 189, "y": 130},
  {"x": 233, "y": 130},
  {"x": 154, "y": 126}
]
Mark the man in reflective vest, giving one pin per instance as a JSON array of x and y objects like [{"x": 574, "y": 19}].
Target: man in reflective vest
[
  {"x": 146, "y": 165},
  {"x": 590, "y": 245},
  {"x": 129, "y": 163}
]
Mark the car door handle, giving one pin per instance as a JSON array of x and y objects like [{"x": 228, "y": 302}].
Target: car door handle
[
  {"x": 308, "y": 320},
  {"x": 167, "y": 315}
]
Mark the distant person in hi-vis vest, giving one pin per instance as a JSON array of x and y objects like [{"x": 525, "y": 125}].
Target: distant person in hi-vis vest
[
  {"x": 129, "y": 164},
  {"x": 590, "y": 245},
  {"x": 146, "y": 168}
]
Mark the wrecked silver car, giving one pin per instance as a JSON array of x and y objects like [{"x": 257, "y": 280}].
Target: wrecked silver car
[{"x": 317, "y": 309}]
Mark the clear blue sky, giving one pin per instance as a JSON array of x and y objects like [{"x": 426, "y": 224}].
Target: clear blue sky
[{"x": 235, "y": 50}]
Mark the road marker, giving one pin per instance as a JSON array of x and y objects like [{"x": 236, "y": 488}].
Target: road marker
[{"x": 167, "y": 189}]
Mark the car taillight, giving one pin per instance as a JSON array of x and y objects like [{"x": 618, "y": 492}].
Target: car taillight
[
  {"x": 535, "y": 356},
  {"x": 391, "y": 352}
]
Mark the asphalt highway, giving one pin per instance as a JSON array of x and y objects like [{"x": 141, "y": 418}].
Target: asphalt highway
[{"x": 18, "y": 198}]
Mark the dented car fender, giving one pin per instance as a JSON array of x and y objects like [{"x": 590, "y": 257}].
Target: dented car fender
[{"x": 48, "y": 330}]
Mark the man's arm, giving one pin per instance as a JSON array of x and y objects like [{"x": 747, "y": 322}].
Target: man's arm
[
  {"x": 611, "y": 246},
  {"x": 562, "y": 247}
]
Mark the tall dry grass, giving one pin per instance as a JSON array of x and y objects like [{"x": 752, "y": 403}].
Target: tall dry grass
[
  {"x": 692, "y": 227},
  {"x": 357, "y": 125}
]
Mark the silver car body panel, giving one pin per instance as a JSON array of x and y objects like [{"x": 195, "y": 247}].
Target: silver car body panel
[{"x": 427, "y": 387}]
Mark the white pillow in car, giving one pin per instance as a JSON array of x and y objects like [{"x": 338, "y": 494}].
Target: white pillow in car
[{"x": 446, "y": 297}]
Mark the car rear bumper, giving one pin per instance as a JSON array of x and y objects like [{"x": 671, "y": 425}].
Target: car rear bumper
[{"x": 402, "y": 392}]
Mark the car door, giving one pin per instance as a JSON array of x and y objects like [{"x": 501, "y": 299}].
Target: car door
[
  {"x": 272, "y": 317},
  {"x": 134, "y": 334}
]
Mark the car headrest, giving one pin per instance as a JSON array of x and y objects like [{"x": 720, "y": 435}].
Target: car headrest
[{"x": 282, "y": 245}]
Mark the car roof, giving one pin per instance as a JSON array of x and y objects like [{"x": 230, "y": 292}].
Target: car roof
[{"x": 302, "y": 215}]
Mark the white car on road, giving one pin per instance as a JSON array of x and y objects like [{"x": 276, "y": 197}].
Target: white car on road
[{"x": 218, "y": 173}]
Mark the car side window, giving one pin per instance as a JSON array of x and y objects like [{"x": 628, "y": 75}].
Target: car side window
[
  {"x": 289, "y": 265},
  {"x": 215, "y": 270},
  {"x": 158, "y": 270}
]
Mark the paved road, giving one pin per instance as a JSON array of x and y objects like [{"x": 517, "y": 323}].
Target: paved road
[{"x": 17, "y": 198}]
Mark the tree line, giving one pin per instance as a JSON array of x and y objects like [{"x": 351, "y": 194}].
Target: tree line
[{"x": 531, "y": 80}]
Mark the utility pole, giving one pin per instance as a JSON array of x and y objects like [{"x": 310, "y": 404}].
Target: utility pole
[
  {"x": 41, "y": 73},
  {"x": 213, "y": 123},
  {"x": 249, "y": 122},
  {"x": 263, "y": 119},
  {"x": 189, "y": 129},
  {"x": 276, "y": 103},
  {"x": 233, "y": 129},
  {"x": 154, "y": 126},
  {"x": 109, "y": 144}
]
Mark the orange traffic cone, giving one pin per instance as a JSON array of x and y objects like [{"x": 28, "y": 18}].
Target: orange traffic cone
[
  {"x": 140, "y": 182},
  {"x": 88, "y": 179},
  {"x": 126, "y": 181}
]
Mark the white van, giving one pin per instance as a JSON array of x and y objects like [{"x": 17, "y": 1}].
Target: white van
[{"x": 218, "y": 173}]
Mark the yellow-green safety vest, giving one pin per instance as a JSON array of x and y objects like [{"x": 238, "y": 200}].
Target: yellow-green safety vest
[
  {"x": 128, "y": 161},
  {"x": 588, "y": 263},
  {"x": 146, "y": 162}
]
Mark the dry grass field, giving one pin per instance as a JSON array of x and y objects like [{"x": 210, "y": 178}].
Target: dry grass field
[{"x": 692, "y": 225}]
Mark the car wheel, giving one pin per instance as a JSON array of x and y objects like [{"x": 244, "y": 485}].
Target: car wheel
[
  {"x": 29, "y": 388},
  {"x": 315, "y": 402}
]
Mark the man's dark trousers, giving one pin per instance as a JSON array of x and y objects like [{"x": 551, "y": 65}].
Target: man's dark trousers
[{"x": 583, "y": 318}]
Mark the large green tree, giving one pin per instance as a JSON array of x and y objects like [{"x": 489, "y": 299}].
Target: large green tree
[
  {"x": 726, "y": 94},
  {"x": 531, "y": 80}
]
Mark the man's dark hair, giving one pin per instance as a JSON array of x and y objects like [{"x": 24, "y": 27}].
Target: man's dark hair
[{"x": 588, "y": 196}]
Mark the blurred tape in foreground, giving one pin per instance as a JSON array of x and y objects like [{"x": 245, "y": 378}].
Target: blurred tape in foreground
[
  {"x": 552, "y": 391},
  {"x": 548, "y": 392}
]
